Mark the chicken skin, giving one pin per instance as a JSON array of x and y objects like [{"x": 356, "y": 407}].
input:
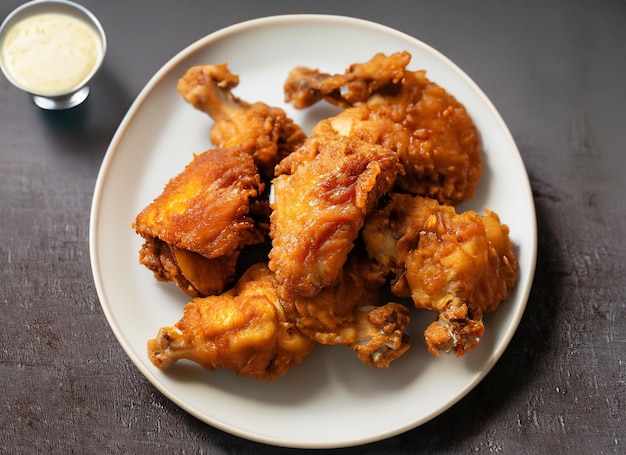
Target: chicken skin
[
  {"x": 319, "y": 209},
  {"x": 460, "y": 266},
  {"x": 435, "y": 139},
  {"x": 263, "y": 131},
  {"x": 247, "y": 330},
  {"x": 201, "y": 222}
]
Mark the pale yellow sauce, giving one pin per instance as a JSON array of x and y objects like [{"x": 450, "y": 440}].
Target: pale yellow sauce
[{"x": 50, "y": 53}]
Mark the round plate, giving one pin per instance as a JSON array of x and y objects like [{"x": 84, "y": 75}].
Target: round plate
[{"x": 331, "y": 400}]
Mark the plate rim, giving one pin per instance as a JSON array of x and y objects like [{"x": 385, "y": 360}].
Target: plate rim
[{"x": 110, "y": 155}]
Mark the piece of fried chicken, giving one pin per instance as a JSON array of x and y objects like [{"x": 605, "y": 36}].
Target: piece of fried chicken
[
  {"x": 431, "y": 132},
  {"x": 459, "y": 265},
  {"x": 248, "y": 330},
  {"x": 263, "y": 131},
  {"x": 347, "y": 312},
  {"x": 195, "y": 230},
  {"x": 243, "y": 329},
  {"x": 320, "y": 207}
]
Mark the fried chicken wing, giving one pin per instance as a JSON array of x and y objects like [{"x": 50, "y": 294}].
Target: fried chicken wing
[
  {"x": 263, "y": 131},
  {"x": 319, "y": 209},
  {"x": 431, "y": 132},
  {"x": 459, "y": 265},
  {"x": 196, "y": 228}
]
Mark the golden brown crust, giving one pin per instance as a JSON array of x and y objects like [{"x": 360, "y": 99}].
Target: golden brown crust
[
  {"x": 243, "y": 330},
  {"x": 320, "y": 208},
  {"x": 264, "y": 132},
  {"x": 459, "y": 265},
  {"x": 205, "y": 208},
  {"x": 195, "y": 275}
]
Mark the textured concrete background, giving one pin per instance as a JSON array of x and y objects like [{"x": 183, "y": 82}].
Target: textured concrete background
[{"x": 555, "y": 71}]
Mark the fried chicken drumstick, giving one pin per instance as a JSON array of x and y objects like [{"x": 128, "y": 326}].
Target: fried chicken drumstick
[
  {"x": 460, "y": 266},
  {"x": 263, "y": 131},
  {"x": 435, "y": 139},
  {"x": 243, "y": 329}
]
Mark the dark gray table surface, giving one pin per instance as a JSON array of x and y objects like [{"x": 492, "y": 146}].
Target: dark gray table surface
[{"x": 556, "y": 71}]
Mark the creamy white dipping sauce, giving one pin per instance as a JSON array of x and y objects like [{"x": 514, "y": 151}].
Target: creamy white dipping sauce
[{"x": 50, "y": 53}]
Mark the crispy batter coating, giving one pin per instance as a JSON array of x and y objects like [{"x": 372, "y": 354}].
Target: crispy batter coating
[
  {"x": 319, "y": 209},
  {"x": 380, "y": 336},
  {"x": 191, "y": 272},
  {"x": 347, "y": 312},
  {"x": 435, "y": 139},
  {"x": 208, "y": 89},
  {"x": 305, "y": 86},
  {"x": 458, "y": 265},
  {"x": 204, "y": 210}
]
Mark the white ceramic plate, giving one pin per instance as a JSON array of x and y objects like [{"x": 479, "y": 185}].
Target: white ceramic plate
[{"x": 331, "y": 400}]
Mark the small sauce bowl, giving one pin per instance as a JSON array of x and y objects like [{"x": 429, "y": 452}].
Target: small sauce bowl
[{"x": 51, "y": 49}]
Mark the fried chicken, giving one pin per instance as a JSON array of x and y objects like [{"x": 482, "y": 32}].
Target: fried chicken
[
  {"x": 195, "y": 230},
  {"x": 431, "y": 132},
  {"x": 319, "y": 209},
  {"x": 380, "y": 336},
  {"x": 459, "y": 265},
  {"x": 365, "y": 201},
  {"x": 248, "y": 330},
  {"x": 305, "y": 86},
  {"x": 261, "y": 130},
  {"x": 243, "y": 329},
  {"x": 347, "y": 312}
]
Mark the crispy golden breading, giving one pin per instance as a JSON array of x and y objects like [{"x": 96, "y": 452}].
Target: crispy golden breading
[
  {"x": 380, "y": 336},
  {"x": 458, "y": 265},
  {"x": 320, "y": 208},
  {"x": 191, "y": 272},
  {"x": 434, "y": 137},
  {"x": 204, "y": 210},
  {"x": 347, "y": 312},
  {"x": 305, "y": 86}
]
